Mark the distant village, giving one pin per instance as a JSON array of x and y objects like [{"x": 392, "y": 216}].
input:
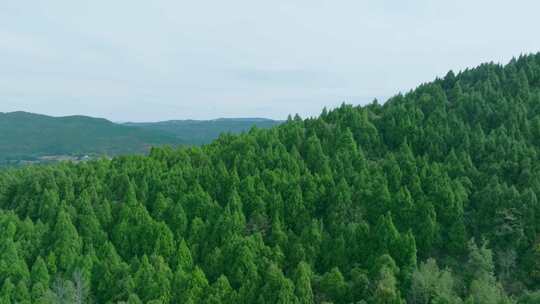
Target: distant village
[{"x": 48, "y": 159}]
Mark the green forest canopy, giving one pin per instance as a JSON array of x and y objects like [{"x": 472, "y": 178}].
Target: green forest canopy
[{"x": 428, "y": 198}]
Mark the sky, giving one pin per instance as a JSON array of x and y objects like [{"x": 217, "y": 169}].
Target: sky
[{"x": 132, "y": 60}]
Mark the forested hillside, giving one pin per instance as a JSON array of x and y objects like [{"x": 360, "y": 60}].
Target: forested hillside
[
  {"x": 428, "y": 198},
  {"x": 26, "y": 136},
  {"x": 198, "y": 132}
]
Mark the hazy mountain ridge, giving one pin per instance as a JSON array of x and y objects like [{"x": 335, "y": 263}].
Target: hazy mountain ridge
[
  {"x": 26, "y": 135},
  {"x": 204, "y": 131},
  {"x": 30, "y": 136}
]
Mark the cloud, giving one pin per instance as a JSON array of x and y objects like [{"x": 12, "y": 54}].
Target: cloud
[
  {"x": 298, "y": 78},
  {"x": 163, "y": 59}
]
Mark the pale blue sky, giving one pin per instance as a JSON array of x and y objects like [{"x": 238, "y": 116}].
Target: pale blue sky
[{"x": 164, "y": 59}]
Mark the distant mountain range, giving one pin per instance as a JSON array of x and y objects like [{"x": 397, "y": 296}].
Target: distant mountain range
[
  {"x": 199, "y": 132},
  {"x": 28, "y": 136}
]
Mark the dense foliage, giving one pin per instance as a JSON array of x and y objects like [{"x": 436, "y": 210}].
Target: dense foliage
[
  {"x": 429, "y": 198},
  {"x": 26, "y": 136},
  {"x": 198, "y": 132}
]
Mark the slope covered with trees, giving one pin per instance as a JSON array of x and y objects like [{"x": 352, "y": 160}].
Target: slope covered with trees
[{"x": 429, "y": 198}]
